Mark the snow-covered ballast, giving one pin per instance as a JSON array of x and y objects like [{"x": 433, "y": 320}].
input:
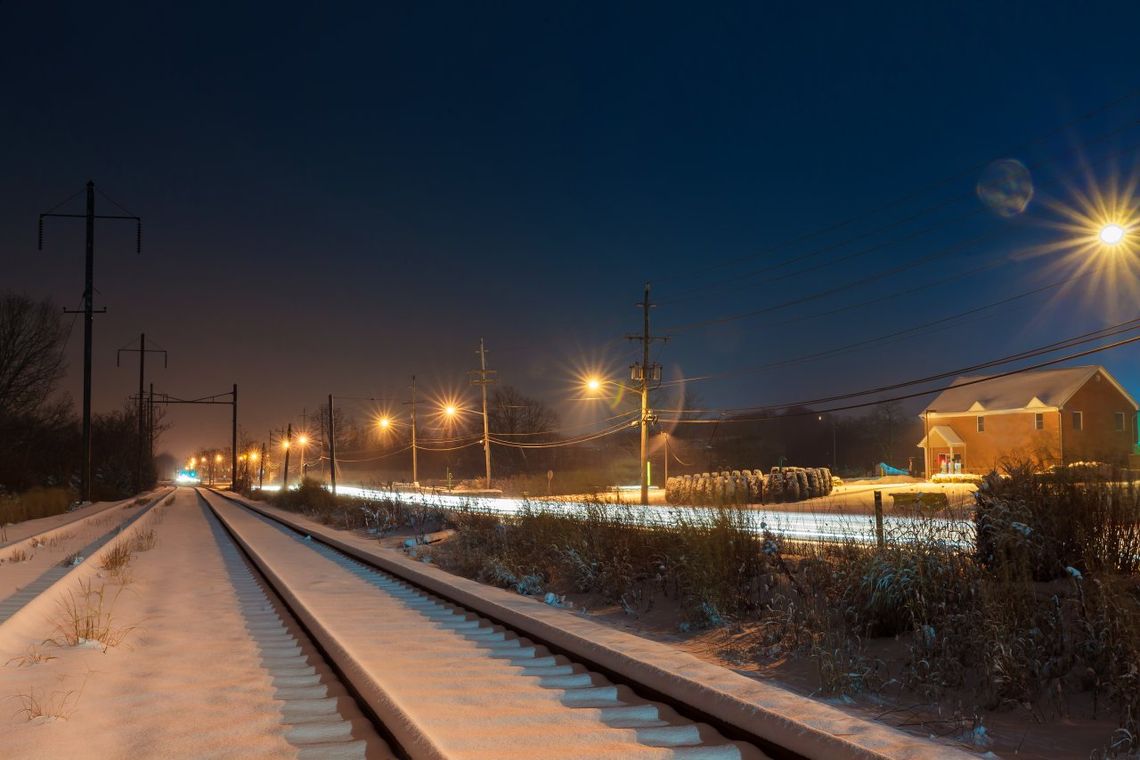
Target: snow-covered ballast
[{"x": 782, "y": 484}]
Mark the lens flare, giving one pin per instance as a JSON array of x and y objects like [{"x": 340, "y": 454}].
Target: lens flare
[{"x": 1094, "y": 242}]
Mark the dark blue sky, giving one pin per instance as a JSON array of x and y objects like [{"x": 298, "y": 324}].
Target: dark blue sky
[{"x": 335, "y": 198}]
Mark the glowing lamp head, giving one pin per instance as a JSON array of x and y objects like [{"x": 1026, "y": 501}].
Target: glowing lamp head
[
  {"x": 1111, "y": 234},
  {"x": 450, "y": 410},
  {"x": 284, "y": 444},
  {"x": 302, "y": 439},
  {"x": 253, "y": 456},
  {"x": 384, "y": 423},
  {"x": 217, "y": 457},
  {"x": 593, "y": 384}
]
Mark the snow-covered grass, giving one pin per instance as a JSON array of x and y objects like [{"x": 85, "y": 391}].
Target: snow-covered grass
[
  {"x": 38, "y": 704},
  {"x": 86, "y": 618},
  {"x": 143, "y": 539},
  {"x": 33, "y": 656}
]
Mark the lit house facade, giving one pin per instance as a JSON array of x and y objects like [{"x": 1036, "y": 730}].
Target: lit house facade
[{"x": 1048, "y": 417}]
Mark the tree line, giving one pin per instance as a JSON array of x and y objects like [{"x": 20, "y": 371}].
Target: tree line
[{"x": 40, "y": 442}]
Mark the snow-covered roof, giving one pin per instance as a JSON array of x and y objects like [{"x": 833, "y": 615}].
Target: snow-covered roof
[
  {"x": 948, "y": 436},
  {"x": 1042, "y": 388}
]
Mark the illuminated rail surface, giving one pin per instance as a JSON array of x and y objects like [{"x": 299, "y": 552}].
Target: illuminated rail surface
[{"x": 442, "y": 677}]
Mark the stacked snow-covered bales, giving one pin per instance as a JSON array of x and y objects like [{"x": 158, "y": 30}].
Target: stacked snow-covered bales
[
  {"x": 797, "y": 483},
  {"x": 782, "y": 484}
]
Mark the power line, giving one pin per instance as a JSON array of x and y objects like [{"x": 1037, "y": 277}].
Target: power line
[
  {"x": 1068, "y": 343},
  {"x": 909, "y": 331}
]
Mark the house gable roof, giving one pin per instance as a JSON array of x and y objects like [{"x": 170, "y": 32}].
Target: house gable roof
[{"x": 1044, "y": 388}]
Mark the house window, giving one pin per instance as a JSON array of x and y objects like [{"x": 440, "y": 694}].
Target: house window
[
  {"x": 1039, "y": 421},
  {"x": 1078, "y": 420},
  {"x": 1119, "y": 427},
  {"x": 981, "y": 424}
]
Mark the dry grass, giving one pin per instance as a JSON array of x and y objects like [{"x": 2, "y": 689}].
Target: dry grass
[
  {"x": 55, "y": 704},
  {"x": 20, "y": 555},
  {"x": 142, "y": 540},
  {"x": 116, "y": 560},
  {"x": 35, "y": 503},
  {"x": 86, "y": 617},
  {"x": 34, "y": 656}
]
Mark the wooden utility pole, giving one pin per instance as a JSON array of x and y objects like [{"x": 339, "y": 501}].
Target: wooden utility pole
[
  {"x": 483, "y": 377},
  {"x": 646, "y": 373},
  {"x": 332, "y": 446},
  {"x": 261, "y": 469},
  {"x": 88, "y": 311}
]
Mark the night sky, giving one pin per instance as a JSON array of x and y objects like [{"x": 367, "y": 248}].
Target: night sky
[{"x": 335, "y": 198}]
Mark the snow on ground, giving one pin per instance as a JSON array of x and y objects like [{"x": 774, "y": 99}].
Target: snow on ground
[
  {"x": 186, "y": 681},
  {"x": 18, "y": 531}
]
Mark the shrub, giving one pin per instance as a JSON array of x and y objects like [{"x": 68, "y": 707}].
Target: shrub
[
  {"x": 34, "y": 504},
  {"x": 1049, "y": 523}
]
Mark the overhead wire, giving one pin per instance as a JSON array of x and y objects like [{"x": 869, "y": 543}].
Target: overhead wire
[
  {"x": 940, "y": 323},
  {"x": 1113, "y": 330}
]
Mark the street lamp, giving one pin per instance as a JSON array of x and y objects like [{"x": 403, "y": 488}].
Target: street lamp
[
  {"x": 1111, "y": 234},
  {"x": 593, "y": 384},
  {"x": 387, "y": 424},
  {"x": 302, "y": 441}
]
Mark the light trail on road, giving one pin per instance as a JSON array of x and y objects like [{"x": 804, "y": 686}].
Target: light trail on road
[{"x": 829, "y": 527}]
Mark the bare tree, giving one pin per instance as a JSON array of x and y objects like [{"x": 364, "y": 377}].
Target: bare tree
[
  {"x": 32, "y": 337},
  {"x": 519, "y": 419}
]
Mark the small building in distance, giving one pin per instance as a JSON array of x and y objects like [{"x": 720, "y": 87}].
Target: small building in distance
[{"x": 1047, "y": 416}]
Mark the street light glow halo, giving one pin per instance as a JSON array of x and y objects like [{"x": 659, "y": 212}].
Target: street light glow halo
[{"x": 1111, "y": 233}]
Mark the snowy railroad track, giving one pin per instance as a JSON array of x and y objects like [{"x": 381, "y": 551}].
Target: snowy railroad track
[
  {"x": 37, "y": 561},
  {"x": 313, "y": 699},
  {"x": 453, "y": 669},
  {"x": 450, "y": 684}
]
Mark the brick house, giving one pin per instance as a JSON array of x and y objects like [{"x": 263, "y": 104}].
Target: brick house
[{"x": 1048, "y": 416}]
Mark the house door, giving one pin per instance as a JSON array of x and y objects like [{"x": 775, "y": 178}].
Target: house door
[{"x": 943, "y": 462}]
